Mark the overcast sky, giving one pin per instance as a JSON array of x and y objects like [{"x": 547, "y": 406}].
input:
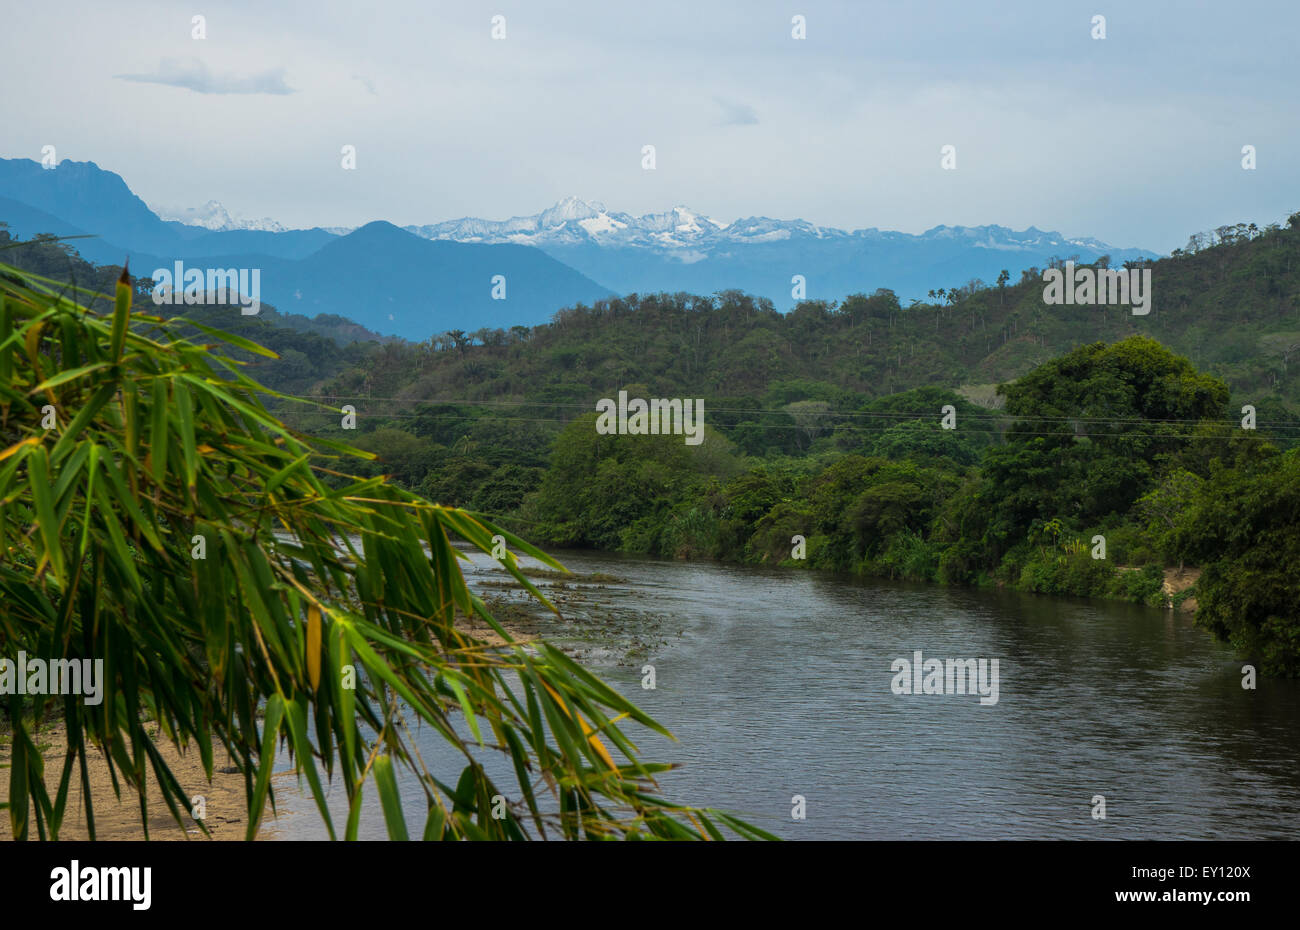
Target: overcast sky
[{"x": 1135, "y": 139}]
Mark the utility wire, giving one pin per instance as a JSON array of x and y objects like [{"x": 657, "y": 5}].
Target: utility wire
[{"x": 741, "y": 411}]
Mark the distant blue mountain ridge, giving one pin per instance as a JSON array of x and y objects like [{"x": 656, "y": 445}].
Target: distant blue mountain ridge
[{"x": 422, "y": 280}]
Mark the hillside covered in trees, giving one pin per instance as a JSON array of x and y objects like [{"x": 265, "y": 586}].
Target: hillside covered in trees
[
  {"x": 1074, "y": 423},
  {"x": 1230, "y": 303}
]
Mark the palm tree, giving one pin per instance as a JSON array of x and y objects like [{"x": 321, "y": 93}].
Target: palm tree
[{"x": 244, "y": 592}]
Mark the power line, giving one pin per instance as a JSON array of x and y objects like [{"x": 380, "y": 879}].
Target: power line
[
  {"x": 741, "y": 411},
  {"x": 847, "y": 428}
]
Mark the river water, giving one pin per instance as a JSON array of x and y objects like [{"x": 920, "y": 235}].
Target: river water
[{"x": 778, "y": 683}]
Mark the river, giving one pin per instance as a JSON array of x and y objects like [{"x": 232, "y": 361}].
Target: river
[{"x": 778, "y": 683}]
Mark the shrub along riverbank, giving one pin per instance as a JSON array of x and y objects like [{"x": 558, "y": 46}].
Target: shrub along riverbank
[{"x": 1106, "y": 465}]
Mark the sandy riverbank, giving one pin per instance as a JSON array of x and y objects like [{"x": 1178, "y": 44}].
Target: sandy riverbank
[{"x": 226, "y": 811}]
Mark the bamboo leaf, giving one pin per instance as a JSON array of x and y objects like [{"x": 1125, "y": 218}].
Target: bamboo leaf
[
  {"x": 64, "y": 377},
  {"x": 246, "y": 344},
  {"x": 466, "y": 708},
  {"x": 313, "y": 645},
  {"x": 270, "y": 731},
  {"x": 296, "y": 720},
  {"x": 20, "y": 446},
  {"x": 46, "y": 521},
  {"x": 389, "y": 799},
  {"x": 121, "y": 314}
]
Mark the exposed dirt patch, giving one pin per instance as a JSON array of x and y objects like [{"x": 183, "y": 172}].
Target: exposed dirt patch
[
  {"x": 1177, "y": 582},
  {"x": 519, "y": 623}
]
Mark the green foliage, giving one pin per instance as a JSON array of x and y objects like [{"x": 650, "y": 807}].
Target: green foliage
[
  {"x": 599, "y": 486},
  {"x": 1164, "y": 508},
  {"x": 910, "y": 556},
  {"x": 1092, "y": 433},
  {"x": 401, "y": 456},
  {"x": 321, "y": 616},
  {"x": 1245, "y": 529},
  {"x": 1077, "y": 574},
  {"x": 916, "y": 439},
  {"x": 1230, "y": 308}
]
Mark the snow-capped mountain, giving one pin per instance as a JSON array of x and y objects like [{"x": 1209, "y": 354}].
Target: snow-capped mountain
[
  {"x": 680, "y": 233},
  {"x": 212, "y": 215},
  {"x": 683, "y": 250},
  {"x": 574, "y": 221}
]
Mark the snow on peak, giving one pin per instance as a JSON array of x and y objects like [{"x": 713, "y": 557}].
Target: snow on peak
[
  {"x": 574, "y": 221},
  {"x": 570, "y": 208},
  {"x": 603, "y": 223},
  {"x": 686, "y": 235},
  {"x": 212, "y": 215}
]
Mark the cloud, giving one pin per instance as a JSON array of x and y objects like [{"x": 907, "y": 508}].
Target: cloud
[
  {"x": 366, "y": 83},
  {"x": 736, "y": 114},
  {"x": 194, "y": 75}
]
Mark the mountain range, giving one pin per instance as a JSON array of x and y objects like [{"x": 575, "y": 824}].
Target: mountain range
[
  {"x": 382, "y": 277},
  {"x": 212, "y": 215},
  {"x": 682, "y": 250},
  {"x": 419, "y": 280},
  {"x": 577, "y": 222}
]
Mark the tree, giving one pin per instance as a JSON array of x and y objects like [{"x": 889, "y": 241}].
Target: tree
[
  {"x": 810, "y": 416},
  {"x": 916, "y": 439},
  {"x": 401, "y": 455},
  {"x": 1164, "y": 507},
  {"x": 1244, "y": 528},
  {"x": 599, "y": 486},
  {"x": 1092, "y": 429},
  {"x": 169, "y": 526}
]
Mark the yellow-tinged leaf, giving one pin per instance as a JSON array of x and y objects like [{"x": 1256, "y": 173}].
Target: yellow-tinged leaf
[
  {"x": 596, "y": 744},
  {"x": 18, "y": 446},
  {"x": 313, "y": 645},
  {"x": 34, "y": 334},
  {"x": 587, "y": 731}
]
